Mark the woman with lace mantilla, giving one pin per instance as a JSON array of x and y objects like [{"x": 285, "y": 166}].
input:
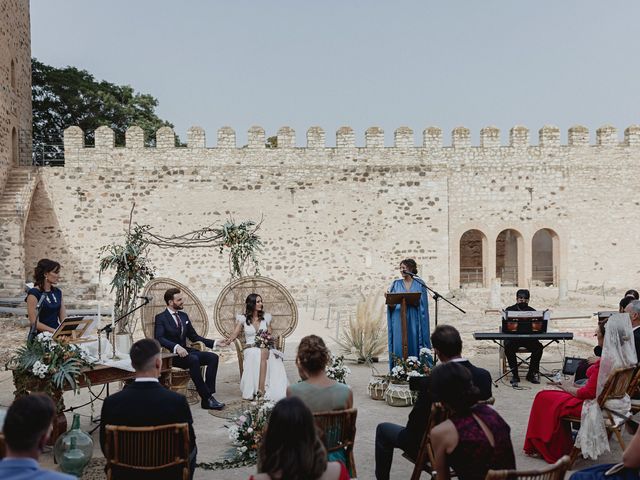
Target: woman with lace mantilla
[{"x": 263, "y": 372}]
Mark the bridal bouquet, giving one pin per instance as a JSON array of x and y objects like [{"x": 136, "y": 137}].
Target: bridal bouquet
[{"x": 264, "y": 340}]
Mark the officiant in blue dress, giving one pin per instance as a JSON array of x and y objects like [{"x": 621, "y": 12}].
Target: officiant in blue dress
[{"x": 417, "y": 317}]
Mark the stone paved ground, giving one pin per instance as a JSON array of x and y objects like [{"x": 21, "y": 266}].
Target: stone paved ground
[{"x": 513, "y": 404}]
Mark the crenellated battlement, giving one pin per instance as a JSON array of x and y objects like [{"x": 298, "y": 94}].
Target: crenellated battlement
[{"x": 404, "y": 138}]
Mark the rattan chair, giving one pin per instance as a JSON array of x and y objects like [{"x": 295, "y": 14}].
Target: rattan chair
[
  {"x": 277, "y": 301},
  {"x": 338, "y": 429},
  {"x": 147, "y": 449},
  {"x": 180, "y": 380},
  {"x": 634, "y": 391},
  {"x": 551, "y": 472},
  {"x": 616, "y": 387}
]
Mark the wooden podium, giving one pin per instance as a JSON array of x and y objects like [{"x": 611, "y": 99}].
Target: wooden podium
[{"x": 404, "y": 299}]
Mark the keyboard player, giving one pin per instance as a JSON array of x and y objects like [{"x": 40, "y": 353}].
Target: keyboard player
[{"x": 534, "y": 346}]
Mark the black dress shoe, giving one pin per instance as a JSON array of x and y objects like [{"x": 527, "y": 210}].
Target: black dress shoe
[
  {"x": 533, "y": 378},
  {"x": 211, "y": 404},
  {"x": 515, "y": 380}
]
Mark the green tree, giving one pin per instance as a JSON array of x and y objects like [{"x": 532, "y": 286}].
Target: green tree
[{"x": 64, "y": 97}]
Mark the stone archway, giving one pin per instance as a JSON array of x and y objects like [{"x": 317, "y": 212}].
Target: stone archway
[
  {"x": 14, "y": 156},
  {"x": 509, "y": 260},
  {"x": 473, "y": 248},
  {"x": 545, "y": 247}
]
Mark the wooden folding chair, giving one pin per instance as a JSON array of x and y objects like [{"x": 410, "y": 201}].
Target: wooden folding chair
[
  {"x": 616, "y": 387},
  {"x": 338, "y": 429},
  {"x": 147, "y": 449},
  {"x": 551, "y": 472},
  {"x": 634, "y": 391},
  {"x": 425, "y": 456}
]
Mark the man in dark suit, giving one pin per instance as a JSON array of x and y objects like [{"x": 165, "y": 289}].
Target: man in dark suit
[
  {"x": 146, "y": 403},
  {"x": 172, "y": 330},
  {"x": 447, "y": 344},
  {"x": 533, "y": 345}
]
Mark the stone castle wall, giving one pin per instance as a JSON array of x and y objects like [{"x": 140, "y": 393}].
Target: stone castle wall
[
  {"x": 15, "y": 85},
  {"x": 337, "y": 221}
]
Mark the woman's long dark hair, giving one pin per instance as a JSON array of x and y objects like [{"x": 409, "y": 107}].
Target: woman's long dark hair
[
  {"x": 44, "y": 266},
  {"x": 291, "y": 448},
  {"x": 250, "y": 307},
  {"x": 452, "y": 385}
]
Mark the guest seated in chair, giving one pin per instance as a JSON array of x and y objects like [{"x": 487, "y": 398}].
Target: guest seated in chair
[
  {"x": 27, "y": 427},
  {"x": 447, "y": 345},
  {"x": 628, "y": 469},
  {"x": 291, "y": 448},
  {"x": 550, "y": 437},
  {"x": 534, "y": 346},
  {"x": 475, "y": 438},
  {"x": 172, "y": 329},
  {"x": 146, "y": 403},
  {"x": 319, "y": 392}
]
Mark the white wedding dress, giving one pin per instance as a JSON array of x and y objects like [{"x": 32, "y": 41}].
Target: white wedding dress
[{"x": 276, "y": 379}]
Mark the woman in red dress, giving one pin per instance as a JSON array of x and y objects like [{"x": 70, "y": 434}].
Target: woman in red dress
[{"x": 547, "y": 435}]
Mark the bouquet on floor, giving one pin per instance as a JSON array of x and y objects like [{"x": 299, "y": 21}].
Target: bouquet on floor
[
  {"x": 264, "y": 340},
  {"x": 337, "y": 370},
  {"x": 412, "y": 366},
  {"x": 246, "y": 430}
]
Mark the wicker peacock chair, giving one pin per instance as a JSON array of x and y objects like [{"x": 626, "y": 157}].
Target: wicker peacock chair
[
  {"x": 277, "y": 301},
  {"x": 197, "y": 314}
]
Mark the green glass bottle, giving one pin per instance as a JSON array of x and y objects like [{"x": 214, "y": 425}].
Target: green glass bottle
[{"x": 74, "y": 449}]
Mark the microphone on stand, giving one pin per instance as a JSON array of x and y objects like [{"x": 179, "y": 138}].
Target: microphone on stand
[
  {"x": 407, "y": 272},
  {"x": 41, "y": 301}
]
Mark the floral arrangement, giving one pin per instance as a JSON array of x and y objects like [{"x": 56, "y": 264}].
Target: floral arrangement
[
  {"x": 246, "y": 430},
  {"x": 264, "y": 339},
  {"x": 131, "y": 269},
  {"x": 412, "y": 366},
  {"x": 337, "y": 370},
  {"x": 48, "y": 364}
]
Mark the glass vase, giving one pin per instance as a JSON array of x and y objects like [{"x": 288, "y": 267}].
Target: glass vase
[{"x": 74, "y": 449}]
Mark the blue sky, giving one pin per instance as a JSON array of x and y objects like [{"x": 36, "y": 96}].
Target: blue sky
[{"x": 358, "y": 63}]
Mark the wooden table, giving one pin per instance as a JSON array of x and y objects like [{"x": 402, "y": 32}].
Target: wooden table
[{"x": 101, "y": 375}]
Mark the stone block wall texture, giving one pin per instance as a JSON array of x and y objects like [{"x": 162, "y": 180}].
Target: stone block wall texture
[
  {"x": 337, "y": 221},
  {"x": 15, "y": 85}
]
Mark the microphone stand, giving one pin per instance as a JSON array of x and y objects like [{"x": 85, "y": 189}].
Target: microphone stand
[
  {"x": 108, "y": 329},
  {"x": 436, "y": 296}
]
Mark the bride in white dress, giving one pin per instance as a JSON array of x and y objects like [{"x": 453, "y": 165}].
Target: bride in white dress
[{"x": 263, "y": 371}]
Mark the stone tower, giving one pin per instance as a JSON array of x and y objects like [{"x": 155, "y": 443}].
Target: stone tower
[{"x": 15, "y": 86}]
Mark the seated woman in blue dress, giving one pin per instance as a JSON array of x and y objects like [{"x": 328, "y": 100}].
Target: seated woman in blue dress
[
  {"x": 418, "y": 335},
  {"x": 45, "y": 293}
]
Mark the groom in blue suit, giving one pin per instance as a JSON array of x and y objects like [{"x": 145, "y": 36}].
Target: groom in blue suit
[{"x": 172, "y": 328}]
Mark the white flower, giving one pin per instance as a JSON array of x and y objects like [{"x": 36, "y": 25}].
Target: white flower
[
  {"x": 414, "y": 373},
  {"x": 243, "y": 448},
  {"x": 412, "y": 359},
  {"x": 242, "y": 419},
  {"x": 249, "y": 430},
  {"x": 39, "y": 369},
  {"x": 426, "y": 351}
]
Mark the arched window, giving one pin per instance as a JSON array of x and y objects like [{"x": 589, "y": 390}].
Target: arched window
[
  {"x": 508, "y": 251},
  {"x": 544, "y": 254},
  {"x": 12, "y": 75},
  {"x": 472, "y": 251},
  {"x": 14, "y": 146}
]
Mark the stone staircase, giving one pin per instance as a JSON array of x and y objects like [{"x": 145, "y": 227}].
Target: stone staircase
[{"x": 16, "y": 196}]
